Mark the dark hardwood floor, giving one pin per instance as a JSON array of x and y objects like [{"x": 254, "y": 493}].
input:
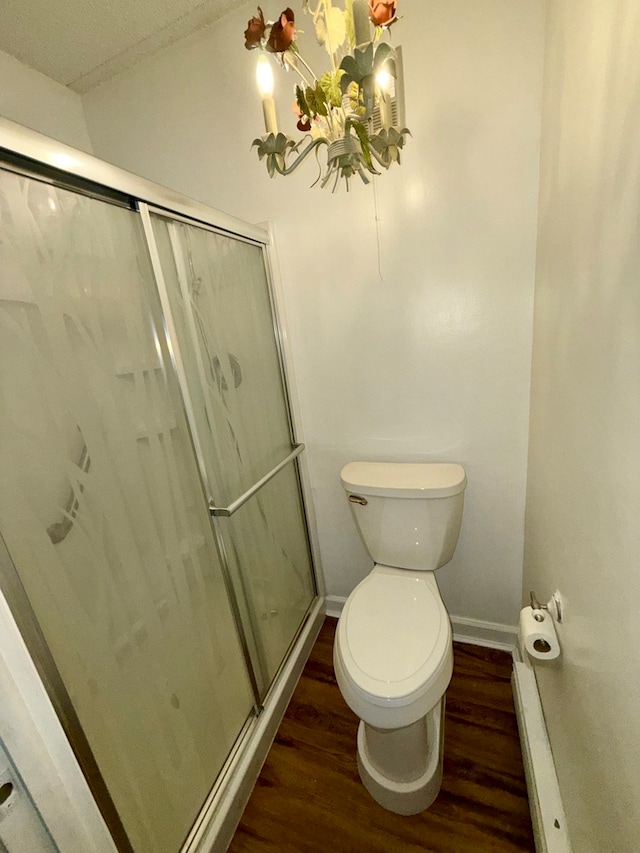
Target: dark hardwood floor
[{"x": 309, "y": 797}]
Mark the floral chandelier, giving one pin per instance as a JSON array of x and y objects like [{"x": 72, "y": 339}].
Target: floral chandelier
[{"x": 349, "y": 108}]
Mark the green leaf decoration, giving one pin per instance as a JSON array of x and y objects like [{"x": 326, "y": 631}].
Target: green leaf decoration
[
  {"x": 319, "y": 100},
  {"x": 301, "y": 100},
  {"x": 275, "y": 148},
  {"x": 312, "y": 102},
  {"x": 357, "y": 67},
  {"x": 388, "y": 144},
  {"x": 361, "y": 69},
  {"x": 363, "y": 136},
  {"x": 385, "y": 56},
  {"x": 330, "y": 83},
  {"x": 355, "y": 103}
]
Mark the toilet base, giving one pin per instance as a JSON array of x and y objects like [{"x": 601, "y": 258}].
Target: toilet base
[{"x": 404, "y": 797}]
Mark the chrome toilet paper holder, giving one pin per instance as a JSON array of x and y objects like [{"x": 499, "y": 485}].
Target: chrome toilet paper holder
[
  {"x": 536, "y": 606},
  {"x": 555, "y": 611}
]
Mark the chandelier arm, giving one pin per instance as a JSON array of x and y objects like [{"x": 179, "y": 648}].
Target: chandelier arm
[
  {"x": 381, "y": 160},
  {"x": 331, "y": 170},
  {"x": 365, "y": 179},
  {"x": 315, "y": 143},
  {"x": 319, "y": 170}
]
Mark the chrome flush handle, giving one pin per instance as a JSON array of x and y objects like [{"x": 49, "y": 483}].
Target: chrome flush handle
[{"x": 356, "y": 499}]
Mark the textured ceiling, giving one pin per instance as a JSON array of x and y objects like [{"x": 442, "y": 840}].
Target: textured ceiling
[{"x": 82, "y": 43}]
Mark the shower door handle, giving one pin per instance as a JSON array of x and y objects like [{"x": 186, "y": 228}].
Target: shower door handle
[{"x": 229, "y": 510}]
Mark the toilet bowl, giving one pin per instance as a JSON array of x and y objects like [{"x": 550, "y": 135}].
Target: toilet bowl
[{"x": 393, "y": 654}]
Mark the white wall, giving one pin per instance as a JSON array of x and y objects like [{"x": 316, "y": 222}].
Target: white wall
[
  {"x": 31, "y": 99},
  {"x": 584, "y": 483},
  {"x": 430, "y": 360}
]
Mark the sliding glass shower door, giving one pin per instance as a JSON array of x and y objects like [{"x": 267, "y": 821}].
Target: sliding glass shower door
[
  {"x": 217, "y": 294},
  {"x": 104, "y": 515}
]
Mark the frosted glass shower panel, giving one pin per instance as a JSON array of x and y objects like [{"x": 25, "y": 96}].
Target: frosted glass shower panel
[
  {"x": 219, "y": 296},
  {"x": 269, "y": 557},
  {"x": 103, "y": 511}
]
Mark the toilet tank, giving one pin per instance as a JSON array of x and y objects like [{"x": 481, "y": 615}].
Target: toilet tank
[{"x": 409, "y": 514}]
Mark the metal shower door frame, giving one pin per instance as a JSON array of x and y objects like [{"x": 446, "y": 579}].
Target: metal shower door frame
[
  {"x": 146, "y": 212},
  {"x": 35, "y": 155}
]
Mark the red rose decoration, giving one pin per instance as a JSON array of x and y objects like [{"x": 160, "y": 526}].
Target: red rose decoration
[
  {"x": 382, "y": 14},
  {"x": 304, "y": 122},
  {"x": 254, "y": 33},
  {"x": 283, "y": 32}
]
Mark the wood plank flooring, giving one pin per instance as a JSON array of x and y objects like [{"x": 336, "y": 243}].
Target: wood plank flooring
[{"x": 309, "y": 798}]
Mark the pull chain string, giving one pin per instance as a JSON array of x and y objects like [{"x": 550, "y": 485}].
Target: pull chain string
[{"x": 378, "y": 234}]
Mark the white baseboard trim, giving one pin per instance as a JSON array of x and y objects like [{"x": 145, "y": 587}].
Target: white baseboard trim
[
  {"x": 473, "y": 631},
  {"x": 493, "y": 635},
  {"x": 333, "y": 605},
  {"x": 545, "y": 803}
]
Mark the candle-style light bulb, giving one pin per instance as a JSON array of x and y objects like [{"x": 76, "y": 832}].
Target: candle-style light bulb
[
  {"x": 264, "y": 79},
  {"x": 264, "y": 76},
  {"x": 385, "y": 80}
]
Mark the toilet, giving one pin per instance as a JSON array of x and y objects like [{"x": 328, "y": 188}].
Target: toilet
[{"x": 393, "y": 652}]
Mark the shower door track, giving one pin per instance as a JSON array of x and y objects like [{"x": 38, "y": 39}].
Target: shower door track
[{"x": 56, "y": 162}]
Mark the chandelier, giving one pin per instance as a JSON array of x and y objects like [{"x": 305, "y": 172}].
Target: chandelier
[{"x": 352, "y": 109}]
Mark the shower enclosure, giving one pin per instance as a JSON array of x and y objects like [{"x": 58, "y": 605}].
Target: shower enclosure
[{"x": 157, "y": 556}]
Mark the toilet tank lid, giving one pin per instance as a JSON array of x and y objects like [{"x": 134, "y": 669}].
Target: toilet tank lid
[{"x": 404, "y": 479}]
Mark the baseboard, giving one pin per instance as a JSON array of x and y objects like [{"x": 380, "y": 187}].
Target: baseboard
[
  {"x": 545, "y": 803},
  {"x": 490, "y": 634},
  {"x": 333, "y": 605},
  {"x": 493, "y": 635}
]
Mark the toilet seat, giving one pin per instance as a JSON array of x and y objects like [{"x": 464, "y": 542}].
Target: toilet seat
[{"x": 393, "y": 652}]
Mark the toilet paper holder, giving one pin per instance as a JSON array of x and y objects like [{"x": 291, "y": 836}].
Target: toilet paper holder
[
  {"x": 536, "y": 606},
  {"x": 553, "y": 607},
  {"x": 537, "y": 631}
]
